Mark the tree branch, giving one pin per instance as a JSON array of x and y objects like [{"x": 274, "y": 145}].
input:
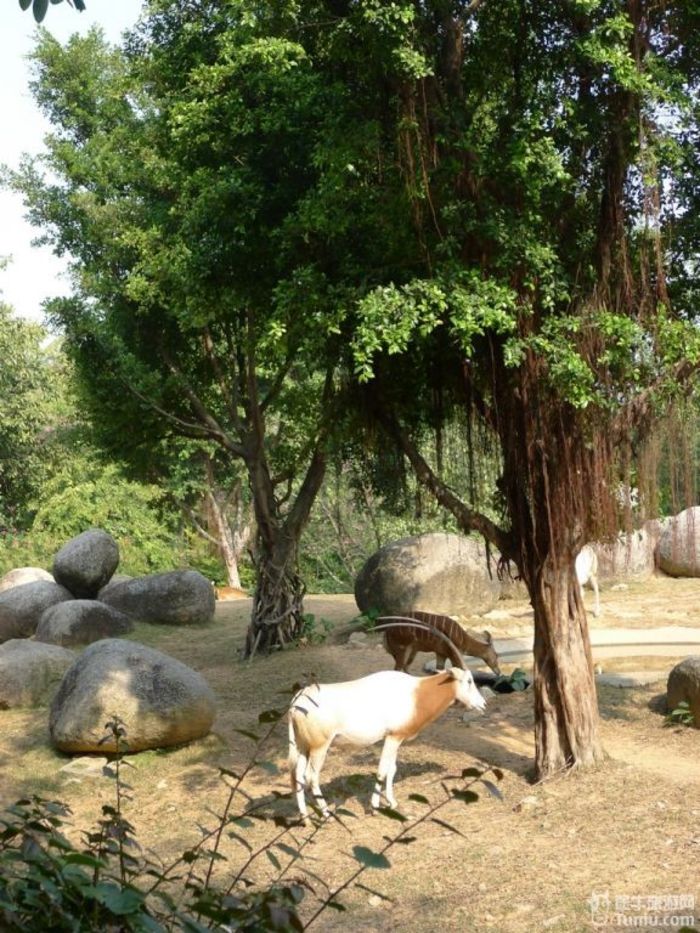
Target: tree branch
[
  {"x": 316, "y": 471},
  {"x": 198, "y": 527},
  {"x": 212, "y": 426},
  {"x": 640, "y": 412},
  {"x": 223, "y": 384},
  {"x": 468, "y": 519},
  {"x": 277, "y": 383}
]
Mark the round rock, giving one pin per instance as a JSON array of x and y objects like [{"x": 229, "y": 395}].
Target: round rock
[
  {"x": 180, "y": 597},
  {"x": 684, "y": 684},
  {"x": 629, "y": 557},
  {"x": 679, "y": 545},
  {"x": 22, "y": 607},
  {"x": 161, "y": 701},
  {"x": 80, "y": 622},
  {"x": 437, "y": 572},
  {"x": 86, "y": 563},
  {"x": 22, "y": 575},
  {"x": 30, "y": 672}
]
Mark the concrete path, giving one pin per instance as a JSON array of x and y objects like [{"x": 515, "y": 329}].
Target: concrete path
[{"x": 667, "y": 641}]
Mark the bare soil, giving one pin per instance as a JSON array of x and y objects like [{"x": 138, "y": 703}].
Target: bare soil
[{"x": 529, "y": 861}]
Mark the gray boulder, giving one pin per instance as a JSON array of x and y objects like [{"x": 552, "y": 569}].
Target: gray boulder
[
  {"x": 22, "y": 575},
  {"x": 30, "y": 672},
  {"x": 628, "y": 557},
  {"x": 22, "y": 607},
  {"x": 80, "y": 622},
  {"x": 180, "y": 597},
  {"x": 86, "y": 563},
  {"x": 679, "y": 545},
  {"x": 684, "y": 684},
  {"x": 161, "y": 701},
  {"x": 437, "y": 572}
]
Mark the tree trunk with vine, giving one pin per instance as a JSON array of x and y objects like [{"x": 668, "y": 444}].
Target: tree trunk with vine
[{"x": 277, "y": 618}]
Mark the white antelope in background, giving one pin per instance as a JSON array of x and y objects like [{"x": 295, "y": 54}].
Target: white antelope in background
[
  {"x": 389, "y": 705},
  {"x": 587, "y": 572}
]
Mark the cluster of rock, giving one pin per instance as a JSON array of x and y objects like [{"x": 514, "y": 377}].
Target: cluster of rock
[
  {"x": 161, "y": 701},
  {"x": 83, "y": 601},
  {"x": 451, "y": 574}
]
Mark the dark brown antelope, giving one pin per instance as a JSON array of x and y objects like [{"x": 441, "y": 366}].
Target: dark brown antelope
[{"x": 404, "y": 642}]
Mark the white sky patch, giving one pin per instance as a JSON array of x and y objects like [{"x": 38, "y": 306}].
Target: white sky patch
[{"x": 35, "y": 273}]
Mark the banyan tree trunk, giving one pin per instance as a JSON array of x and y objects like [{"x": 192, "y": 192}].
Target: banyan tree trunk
[
  {"x": 278, "y": 603},
  {"x": 566, "y": 707}
]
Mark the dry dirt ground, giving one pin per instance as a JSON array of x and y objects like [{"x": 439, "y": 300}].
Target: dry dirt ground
[{"x": 529, "y": 861}]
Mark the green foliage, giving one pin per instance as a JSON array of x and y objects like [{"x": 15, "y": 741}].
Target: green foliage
[
  {"x": 27, "y": 415},
  {"x": 314, "y": 631},
  {"x": 109, "y": 882},
  {"x": 681, "y": 715},
  {"x": 517, "y": 680},
  {"x": 366, "y": 503},
  {"x": 368, "y": 619},
  {"x": 40, "y": 7},
  {"x": 87, "y": 495}
]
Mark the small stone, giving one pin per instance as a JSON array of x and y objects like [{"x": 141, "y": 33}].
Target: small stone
[
  {"x": 527, "y": 804},
  {"x": 375, "y": 901},
  {"x": 471, "y": 715},
  {"x": 521, "y": 909},
  {"x": 619, "y": 586},
  {"x": 357, "y": 640},
  {"x": 86, "y": 766},
  {"x": 487, "y": 693},
  {"x": 161, "y": 785},
  {"x": 551, "y": 921},
  {"x": 598, "y": 669}
]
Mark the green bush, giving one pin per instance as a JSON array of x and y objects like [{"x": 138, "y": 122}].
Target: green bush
[{"x": 109, "y": 883}]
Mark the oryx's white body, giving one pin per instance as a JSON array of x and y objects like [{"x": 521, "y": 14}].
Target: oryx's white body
[
  {"x": 389, "y": 705},
  {"x": 587, "y": 572}
]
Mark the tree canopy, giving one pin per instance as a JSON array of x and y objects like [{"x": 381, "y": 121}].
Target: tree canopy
[
  {"x": 407, "y": 208},
  {"x": 27, "y": 415}
]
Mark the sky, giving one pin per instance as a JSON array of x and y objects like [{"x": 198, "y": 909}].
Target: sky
[{"x": 35, "y": 273}]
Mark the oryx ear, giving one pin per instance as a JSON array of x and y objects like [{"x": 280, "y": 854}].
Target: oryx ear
[
  {"x": 487, "y": 638},
  {"x": 455, "y": 672}
]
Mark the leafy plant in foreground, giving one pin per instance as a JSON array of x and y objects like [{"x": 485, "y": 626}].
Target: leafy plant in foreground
[
  {"x": 681, "y": 715},
  {"x": 110, "y": 883}
]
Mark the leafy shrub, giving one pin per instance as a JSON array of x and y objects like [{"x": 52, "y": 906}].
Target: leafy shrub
[
  {"x": 314, "y": 631},
  {"x": 681, "y": 715},
  {"x": 109, "y": 883},
  {"x": 511, "y": 683}
]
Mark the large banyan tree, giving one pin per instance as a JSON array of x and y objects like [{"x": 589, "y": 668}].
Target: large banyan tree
[
  {"x": 482, "y": 203},
  {"x": 544, "y": 154}
]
